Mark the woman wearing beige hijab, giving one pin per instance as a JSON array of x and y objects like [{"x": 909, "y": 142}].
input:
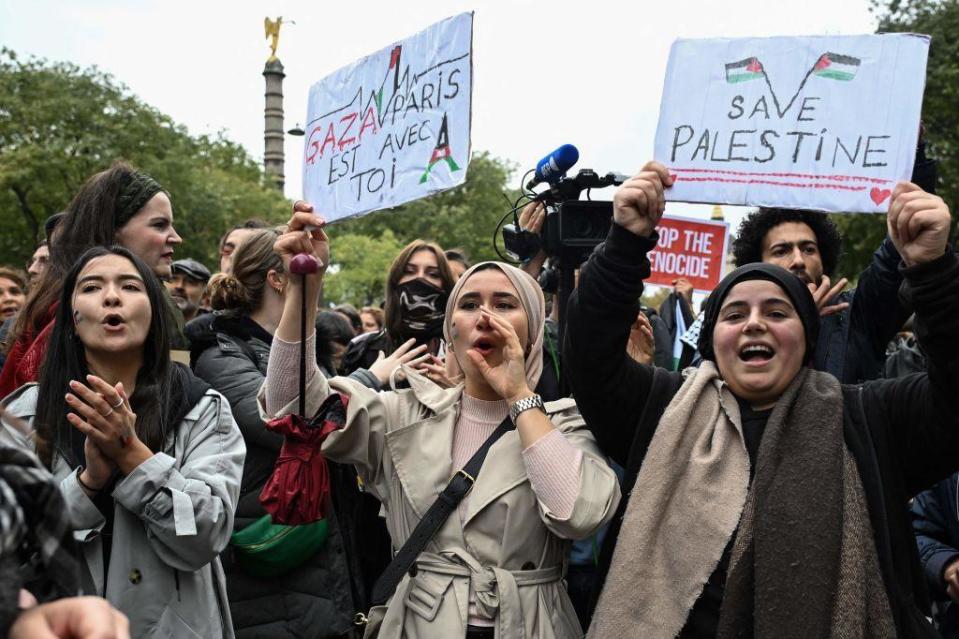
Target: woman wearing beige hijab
[{"x": 497, "y": 562}]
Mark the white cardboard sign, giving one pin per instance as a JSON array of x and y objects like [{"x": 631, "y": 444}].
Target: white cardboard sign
[
  {"x": 394, "y": 126},
  {"x": 823, "y": 122}
]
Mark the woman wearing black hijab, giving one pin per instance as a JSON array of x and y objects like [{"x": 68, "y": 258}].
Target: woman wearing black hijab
[{"x": 769, "y": 500}]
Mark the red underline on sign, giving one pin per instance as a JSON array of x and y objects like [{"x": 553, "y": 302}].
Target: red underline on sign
[
  {"x": 806, "y": 176},
  {"x": 841, "y": 187}
]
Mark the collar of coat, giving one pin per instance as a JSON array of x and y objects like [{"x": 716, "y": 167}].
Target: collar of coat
[{"x": 431, "y": 438}]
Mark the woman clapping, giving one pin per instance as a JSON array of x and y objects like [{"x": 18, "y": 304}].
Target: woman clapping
[{"x": 147, "y": 456}]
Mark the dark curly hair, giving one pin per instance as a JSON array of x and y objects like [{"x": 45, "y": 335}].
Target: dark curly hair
[{"x": 748, "y": 246}]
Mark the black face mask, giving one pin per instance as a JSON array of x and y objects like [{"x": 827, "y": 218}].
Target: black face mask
[{"x": 422, "y": 307}]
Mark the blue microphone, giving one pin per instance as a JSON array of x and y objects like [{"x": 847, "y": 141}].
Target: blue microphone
[{"x": 554, "y": 166}]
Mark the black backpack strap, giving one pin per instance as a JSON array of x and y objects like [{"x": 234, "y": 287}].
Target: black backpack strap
[{"x": 458, "y": 487}]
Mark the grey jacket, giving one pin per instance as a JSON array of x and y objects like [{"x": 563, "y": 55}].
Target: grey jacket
[{"x": 174, "y": 514}]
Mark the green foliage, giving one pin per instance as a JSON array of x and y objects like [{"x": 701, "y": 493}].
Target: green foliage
[
  {"x": 862, "y": 233},
  {"x": 59, "y": 124},
  {"x": 463, "y": 217},
  {"x": 358, "y": 268}
]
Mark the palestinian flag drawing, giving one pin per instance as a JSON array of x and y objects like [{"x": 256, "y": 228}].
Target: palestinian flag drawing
[
  {"x": 395, "y": 67},
  {"x": 441, "y": 152},
  {"x": 836, "y": 66},
  {"x": 744, "y": 70}
]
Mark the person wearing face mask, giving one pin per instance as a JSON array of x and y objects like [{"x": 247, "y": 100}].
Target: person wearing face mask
[
  {"x": 417, "y": 287},
  {"x": 148, "y": 457},
  {"x": 492, "y": 565},
  {"x": 766, "y": 499},
  {"x": 118, "y": 206}
]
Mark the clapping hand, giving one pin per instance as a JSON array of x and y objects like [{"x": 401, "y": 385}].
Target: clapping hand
[
  {"x": 102, "y": 412},
  {"x": 641, "y": 345},
  {"x": 437, "y": 371},
  {"x": 384, "y": 366}
]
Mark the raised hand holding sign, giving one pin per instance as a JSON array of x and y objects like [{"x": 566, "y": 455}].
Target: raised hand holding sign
[
  {"x": 918, "y": 224},
  {"x": 823, "y": 122}
]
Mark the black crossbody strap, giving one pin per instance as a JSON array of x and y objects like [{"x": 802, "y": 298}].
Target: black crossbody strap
[{"x": 459, "y": 485}]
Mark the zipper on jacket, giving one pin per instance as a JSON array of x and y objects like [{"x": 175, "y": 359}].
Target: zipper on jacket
[
  {"x": 176, "y": 578},
  {"x": 272, "y": 540}
]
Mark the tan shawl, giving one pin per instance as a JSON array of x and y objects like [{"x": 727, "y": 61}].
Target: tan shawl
[{"x": 803, "y": 563}]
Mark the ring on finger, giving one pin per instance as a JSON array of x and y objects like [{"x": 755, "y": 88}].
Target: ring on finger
[
  {"x": 118, "y": 404},
  {"x": 107, "y": 414}
]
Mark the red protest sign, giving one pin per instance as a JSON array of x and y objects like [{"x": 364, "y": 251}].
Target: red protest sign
[{"x": 693, "y": 249}]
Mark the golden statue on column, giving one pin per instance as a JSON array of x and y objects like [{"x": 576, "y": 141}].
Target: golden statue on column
[{"x": 272, "y": 29}]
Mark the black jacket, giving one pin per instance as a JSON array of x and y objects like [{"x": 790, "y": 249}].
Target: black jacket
[
  {"x": 903, "y": 434},
  {"x": 320, "y": 598},
  {"x": 852, "y": 344},
  {"x": 935, "y": 520}
]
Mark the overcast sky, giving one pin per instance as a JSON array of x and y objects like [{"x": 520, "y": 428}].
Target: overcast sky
[{"x": 545, "y": 73}]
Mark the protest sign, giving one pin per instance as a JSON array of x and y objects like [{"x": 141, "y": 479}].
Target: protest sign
[
  {"x": 392, "y": 127},
  {"x": 828, "y": 123},
  {"x": 693, "y": 249}
]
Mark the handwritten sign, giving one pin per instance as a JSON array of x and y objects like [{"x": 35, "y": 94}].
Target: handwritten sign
[
  {"x": 392, "y": 127},
  {"x": 828, "y": 123},
  {"x": 693, "y": 249}
]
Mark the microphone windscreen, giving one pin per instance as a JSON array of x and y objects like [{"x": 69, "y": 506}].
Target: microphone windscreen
[{"x": 557, "y": 163}]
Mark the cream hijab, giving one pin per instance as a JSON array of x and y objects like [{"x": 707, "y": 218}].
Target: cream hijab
[{"x": 530, "y": 296}]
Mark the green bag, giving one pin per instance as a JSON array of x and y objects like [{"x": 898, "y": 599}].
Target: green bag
[{"x": 265, "y": 549}]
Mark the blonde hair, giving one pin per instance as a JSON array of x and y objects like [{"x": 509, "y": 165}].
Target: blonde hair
[{"x": 252, "y": 261}]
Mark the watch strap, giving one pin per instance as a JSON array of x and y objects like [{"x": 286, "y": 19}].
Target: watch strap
[{"x": 525, "y": 404}]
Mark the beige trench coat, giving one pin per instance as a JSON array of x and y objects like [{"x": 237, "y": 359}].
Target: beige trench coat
[{"x": 509, "y": 552}]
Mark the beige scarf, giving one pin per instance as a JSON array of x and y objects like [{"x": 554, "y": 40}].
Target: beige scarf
[{"x": 803, "y": 563}]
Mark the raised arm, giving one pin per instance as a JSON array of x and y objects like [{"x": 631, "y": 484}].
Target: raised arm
[
  {"x": 304, "y": 235},
  {"x": 875, "y": 315},
  {"x": 609, "y": 386},
  {"x": 921, "y": 412}
]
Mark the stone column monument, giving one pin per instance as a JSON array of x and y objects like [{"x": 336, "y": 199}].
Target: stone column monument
[{"x": 273, "y": 109}]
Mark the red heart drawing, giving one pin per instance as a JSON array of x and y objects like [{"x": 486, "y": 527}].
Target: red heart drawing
[{"x": 878, "y": 195}]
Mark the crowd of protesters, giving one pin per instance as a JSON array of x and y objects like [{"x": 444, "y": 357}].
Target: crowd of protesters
[{"x": 793, "y": 475}]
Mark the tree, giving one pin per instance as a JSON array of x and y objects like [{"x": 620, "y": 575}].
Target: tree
[
  {"x": 464, "y": 217},
  {"x": 59, "y": 124},
  {"x": 358, "y": 268},
  {"x": 862, "y": 233}
]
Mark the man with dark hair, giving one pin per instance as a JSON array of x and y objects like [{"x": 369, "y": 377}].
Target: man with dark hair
[{"x": 856, "y": 325}]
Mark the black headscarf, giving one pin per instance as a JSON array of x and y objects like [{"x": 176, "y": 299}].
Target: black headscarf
[
  {"x": 136, "y": 191},
  {"x": 794, "y": 288}
]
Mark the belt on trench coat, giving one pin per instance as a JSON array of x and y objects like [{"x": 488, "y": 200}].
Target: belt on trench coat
[{"x": 496, "y": 589}]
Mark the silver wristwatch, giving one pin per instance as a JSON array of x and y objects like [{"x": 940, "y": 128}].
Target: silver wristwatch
[{"x": 533, "y": 401}]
